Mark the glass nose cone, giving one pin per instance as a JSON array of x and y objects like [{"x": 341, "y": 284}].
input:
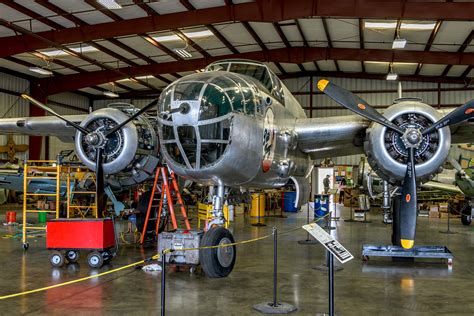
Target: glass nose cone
[{"x": 197, "y": 137}]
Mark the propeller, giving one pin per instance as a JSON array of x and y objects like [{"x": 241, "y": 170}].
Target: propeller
[
  {"x": 352, "y": 102},
  {"x": 94, "y": 138},
  {"x": 51, "y": 111},
  {"x": 462, "y": 113},
  {"x": 408, "y": 204},
  {"x": 411, "y": 138}
]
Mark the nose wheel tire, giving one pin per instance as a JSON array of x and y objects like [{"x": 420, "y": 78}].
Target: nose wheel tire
[
  {"x": 56, "y": 259},
  {"x": 217, "y": 262},
  {"x": 95, "y": 259}
]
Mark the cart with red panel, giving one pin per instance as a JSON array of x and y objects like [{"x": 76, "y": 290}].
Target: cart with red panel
[{"x": 67, "y": 237}]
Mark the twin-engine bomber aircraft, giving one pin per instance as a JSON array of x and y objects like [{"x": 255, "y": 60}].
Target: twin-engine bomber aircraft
[{"x": 237, "y": 125}]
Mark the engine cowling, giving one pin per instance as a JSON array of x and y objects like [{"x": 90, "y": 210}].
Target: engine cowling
[
  {"x": 130, "y": 155},
  {"x": 386, "y": 151}
]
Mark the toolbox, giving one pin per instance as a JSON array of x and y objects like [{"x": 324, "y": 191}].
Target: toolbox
[{"x": 180, "y": 239}]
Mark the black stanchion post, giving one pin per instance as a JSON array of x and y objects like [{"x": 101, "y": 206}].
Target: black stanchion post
[
  {"x": 275, "y": 260},
  {"x": 448, "y": 231},
  {"x": 275, "y": 307},
  {"x": 308, "y": 240},
  {"x": 163, "y": 282},
  {"x": 331, "y": 282}
]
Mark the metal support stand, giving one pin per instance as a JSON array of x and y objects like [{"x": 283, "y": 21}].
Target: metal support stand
[
  {"x": 274, "y": 307},
  {"x": 163, "y": 282},
  {"x": 448, "y": 231},
  {"x": 308, "y": 240},
  {"x": 434, "y": 252}
]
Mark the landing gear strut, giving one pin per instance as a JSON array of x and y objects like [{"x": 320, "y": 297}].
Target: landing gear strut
[{"x": 217, "y": 262}]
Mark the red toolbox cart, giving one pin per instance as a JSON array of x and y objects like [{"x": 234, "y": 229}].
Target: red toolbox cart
[{"x": 67, "y": 236}]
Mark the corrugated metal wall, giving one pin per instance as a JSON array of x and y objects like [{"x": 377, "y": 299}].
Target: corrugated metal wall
[
  {"x": 382, "y": 98},
  {"x": 75, "y": 100},
  {"x": 13, "y": 106}
]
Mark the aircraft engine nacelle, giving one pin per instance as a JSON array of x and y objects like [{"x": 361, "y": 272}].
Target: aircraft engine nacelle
[
  {"x": 386, "y": 151},
  {"x": 130, "y": 155}
]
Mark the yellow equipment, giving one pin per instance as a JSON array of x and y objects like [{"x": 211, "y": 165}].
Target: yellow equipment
[
  {"x": 204, "y": 214},
  {"x": 37, "y": 170},
  {"x": 258, "y": 205}
]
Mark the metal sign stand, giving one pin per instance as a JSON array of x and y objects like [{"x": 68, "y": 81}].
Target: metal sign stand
[
  {"x": 326, "y": 265},
  {"x": 274, "y": 307},
  {"x": 333, "y": 248}
]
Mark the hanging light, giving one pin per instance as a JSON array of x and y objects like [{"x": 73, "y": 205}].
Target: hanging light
[
  {"x": 391, "y": 76},
  {"x": 399, "y": 43}
]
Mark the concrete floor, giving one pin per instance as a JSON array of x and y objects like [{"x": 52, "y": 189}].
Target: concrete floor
[{"x": 377, "y": 287}]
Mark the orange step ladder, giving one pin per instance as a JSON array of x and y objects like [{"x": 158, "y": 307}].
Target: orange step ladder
[{"x": 167, "y": 187}]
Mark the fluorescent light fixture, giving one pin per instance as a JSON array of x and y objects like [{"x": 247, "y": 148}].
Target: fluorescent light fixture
[
  {"x": 380, "y": 25},
  {"x": 417, "y": 26},
  {"x": 110, "y": 94},
  {"x": 55, "y": 53},
  {"x": 41, "y": 71},
  {"x": 399, "y": 43},
  {"x": 403, "y": 25},
  {"x": 110, "y": 4},
  {"x": 183, "y": 52},
  {"x": 392, "y": 76},
  {"x": 174, "y": 38}
]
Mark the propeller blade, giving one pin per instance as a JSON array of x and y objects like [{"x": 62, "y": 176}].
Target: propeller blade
[
  {"x": 352, "y": 102},
  {"x": 408, "y": 204},
  {"x": 101, "y": 198},
  {"x": 462, "y": 113},
  {"x": 51, "y": 111},
  {"x": 131, "y": 118}
]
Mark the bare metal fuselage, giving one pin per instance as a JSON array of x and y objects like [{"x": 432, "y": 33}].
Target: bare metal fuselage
[{"x": 265, "y": 136}]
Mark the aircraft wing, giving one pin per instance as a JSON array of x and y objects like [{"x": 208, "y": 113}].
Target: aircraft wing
[
  {"x": 331, "y": 136},
  {"x": 41, "y": 126},
  {"x": 442, "y": 187},
  {"x": 335, "y": 136}
]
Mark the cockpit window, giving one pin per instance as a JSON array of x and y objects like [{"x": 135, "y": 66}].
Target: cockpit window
[
  {"x": 188, "y": 91},
  {"x": 258, "y": 72}
]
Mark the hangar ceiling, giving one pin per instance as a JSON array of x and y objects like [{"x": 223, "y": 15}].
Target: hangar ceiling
[{"x": 145, "y": 45}]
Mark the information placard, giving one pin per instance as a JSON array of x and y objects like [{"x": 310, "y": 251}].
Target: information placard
[{"x": 331, "y": 244}]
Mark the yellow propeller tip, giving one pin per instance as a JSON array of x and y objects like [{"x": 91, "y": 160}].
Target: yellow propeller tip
[
  {"x": 24, "y": 96},
  {"x": 407, "y": 244},
  {"x": 322, "y": 84}
]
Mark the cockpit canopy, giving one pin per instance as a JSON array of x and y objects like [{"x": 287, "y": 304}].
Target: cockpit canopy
[{"x": 256, "y": 70}]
